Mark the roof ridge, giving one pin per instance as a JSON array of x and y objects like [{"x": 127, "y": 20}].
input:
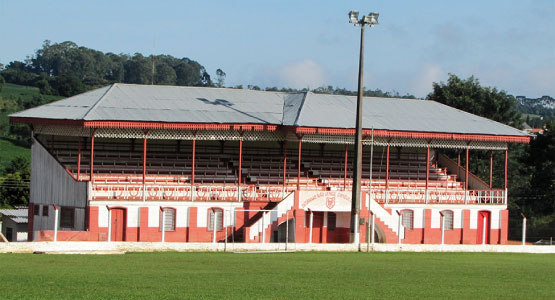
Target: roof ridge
[
  {"x": 300, "y": 108},
  {"x": 99, "y": 100}
]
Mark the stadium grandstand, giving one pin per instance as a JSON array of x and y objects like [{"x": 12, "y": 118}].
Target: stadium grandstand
[{"x": 190, "y": 164}]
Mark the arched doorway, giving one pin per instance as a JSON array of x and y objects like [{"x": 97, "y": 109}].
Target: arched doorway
[{"x": 280, "y": 235}]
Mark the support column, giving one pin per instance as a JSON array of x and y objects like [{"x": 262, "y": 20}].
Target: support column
[
  {"x": 299, "y": 166},
  {"x": 427, "y": 171},
  {"x": 466, "y": 177},
  {"x": 491, "y": 170},
  {"x": 506, "y": 166},
  {"x": 79, "y": 161},
  {"x": 193, "y": 166},
  {"x": 240, "y": 163},
  {"x": 144, "y": 160},
  {"x": 387, "y": 172},
  {"x": 345, "y": 168},
  {"x": 56, "y": 222},
  {"x": 91, "y": 177},
  {"x": 284, "y": 166}
]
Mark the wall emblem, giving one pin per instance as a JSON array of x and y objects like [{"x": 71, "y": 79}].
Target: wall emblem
[{"x": 330, "y": 202}]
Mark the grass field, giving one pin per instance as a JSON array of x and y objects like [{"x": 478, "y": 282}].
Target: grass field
[{"x": 277, "y": 276}]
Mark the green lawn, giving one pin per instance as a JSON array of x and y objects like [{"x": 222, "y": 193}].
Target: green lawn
[{"x": 277, "y": 276}]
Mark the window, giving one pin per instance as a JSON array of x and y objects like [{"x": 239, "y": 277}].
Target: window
[
  {"x": 407, "y": 218},
  {"x": 169, "y": 219},
  {"x": 67, "y": 217},
  {"x": 45, "y": 210},
  {"x": 36, "y": 209},
  {"x": 218, "y": 215},
  {"x": 447, "y": 219},
  {"x": 332, "y": 221}
]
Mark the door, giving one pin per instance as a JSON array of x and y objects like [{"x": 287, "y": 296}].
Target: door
[
  {"x": 317, "y": 226},
  {"x": 484, "y": 220},
  {"x": 119, "y": 222}
]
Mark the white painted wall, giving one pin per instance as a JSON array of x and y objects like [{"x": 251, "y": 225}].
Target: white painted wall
[{"x": 182, "y": 212}]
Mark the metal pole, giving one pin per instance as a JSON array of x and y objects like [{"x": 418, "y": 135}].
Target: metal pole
[
  {"x": 299, "y": 166},
  {"x": 284, "y": 165},
  {"x": 91, "y": 179},
  {"x": 371, "y": 232},
  {"x": 491, "y": 170},
  {"x": 427, "y": 172},
  {"x": 357, "y": 163},
  {"x": 240, "y": 163},
  {"x": 506, "y": 165},
  {"x": 345, "y": 168},
  {"x": 79, "y": 161}
]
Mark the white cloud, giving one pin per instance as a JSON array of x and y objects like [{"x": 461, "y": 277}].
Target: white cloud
[
  {"x": 421, "y": 82},
  {"x": 302, "y": 74}
]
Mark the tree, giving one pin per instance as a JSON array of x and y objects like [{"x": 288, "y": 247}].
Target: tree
[
  {"x": 14, "y": 187},
  {"x": 220, "y": 75},
  {"x": 470, "y": 96},
  {"x": 541, "y": 158},
  {"x": 2, "y": 81}
]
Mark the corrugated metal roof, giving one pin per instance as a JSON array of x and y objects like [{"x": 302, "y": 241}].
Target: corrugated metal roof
[
  {"x": 18, "y": 215},
  {"x": 173, "y": 104}
]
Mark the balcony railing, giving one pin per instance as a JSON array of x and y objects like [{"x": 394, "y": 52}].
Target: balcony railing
[{"x": 184, "y": 192}]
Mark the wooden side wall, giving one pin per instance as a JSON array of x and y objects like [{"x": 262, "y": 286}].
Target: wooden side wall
[{"x": 51, "y": 184}]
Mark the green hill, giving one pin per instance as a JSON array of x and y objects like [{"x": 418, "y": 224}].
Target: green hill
[{"x": 14, "y": 98}]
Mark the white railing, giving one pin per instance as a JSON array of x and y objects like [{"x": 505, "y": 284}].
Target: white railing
[
  {"x": 184, "y": 192},
  {"x": 439, "y": 196}
]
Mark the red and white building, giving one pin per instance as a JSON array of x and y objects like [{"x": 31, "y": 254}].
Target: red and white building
[{"x": 190, "y": 164}]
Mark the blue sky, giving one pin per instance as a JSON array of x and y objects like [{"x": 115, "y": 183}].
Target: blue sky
[{"x": 508, "y": 44}]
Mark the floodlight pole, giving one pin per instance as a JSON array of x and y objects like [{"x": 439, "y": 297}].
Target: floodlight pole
[
  {"x": 355, "y": 203},
  {"x": 357, "y": 163}
]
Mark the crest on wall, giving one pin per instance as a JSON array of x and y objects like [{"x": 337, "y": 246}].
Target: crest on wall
[{"x": 330, "y": 202}]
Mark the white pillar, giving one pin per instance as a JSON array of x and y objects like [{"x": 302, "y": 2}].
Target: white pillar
[
  {"x": 442, "y": 228},
  {"x": 109, "y": 239},
  {"x": 310, "y": 228},
  {"x": 399, "y": 228},
  {"x": 484, "y": 230},
  {"x": 263, "y": 228},
  {"x": 372, "y": 231},
  {"x": 524, "y": 231},
  {"x": 214, "y": 226},
  {"x": 56, "y": 222},
  {"x": 163, "y": 224}
]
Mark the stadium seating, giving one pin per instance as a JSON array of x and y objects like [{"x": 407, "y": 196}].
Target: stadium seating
[{"x": 122, "y": 163}]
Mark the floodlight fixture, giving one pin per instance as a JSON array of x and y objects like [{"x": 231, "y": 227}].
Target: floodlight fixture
[{"x": 353, "y": 17}]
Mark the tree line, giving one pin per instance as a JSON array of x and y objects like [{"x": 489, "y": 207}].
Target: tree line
[{"x": 66, "y": 69}]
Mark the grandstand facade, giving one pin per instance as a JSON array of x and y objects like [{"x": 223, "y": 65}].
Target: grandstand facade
[{"x": 188, "y": 164}]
